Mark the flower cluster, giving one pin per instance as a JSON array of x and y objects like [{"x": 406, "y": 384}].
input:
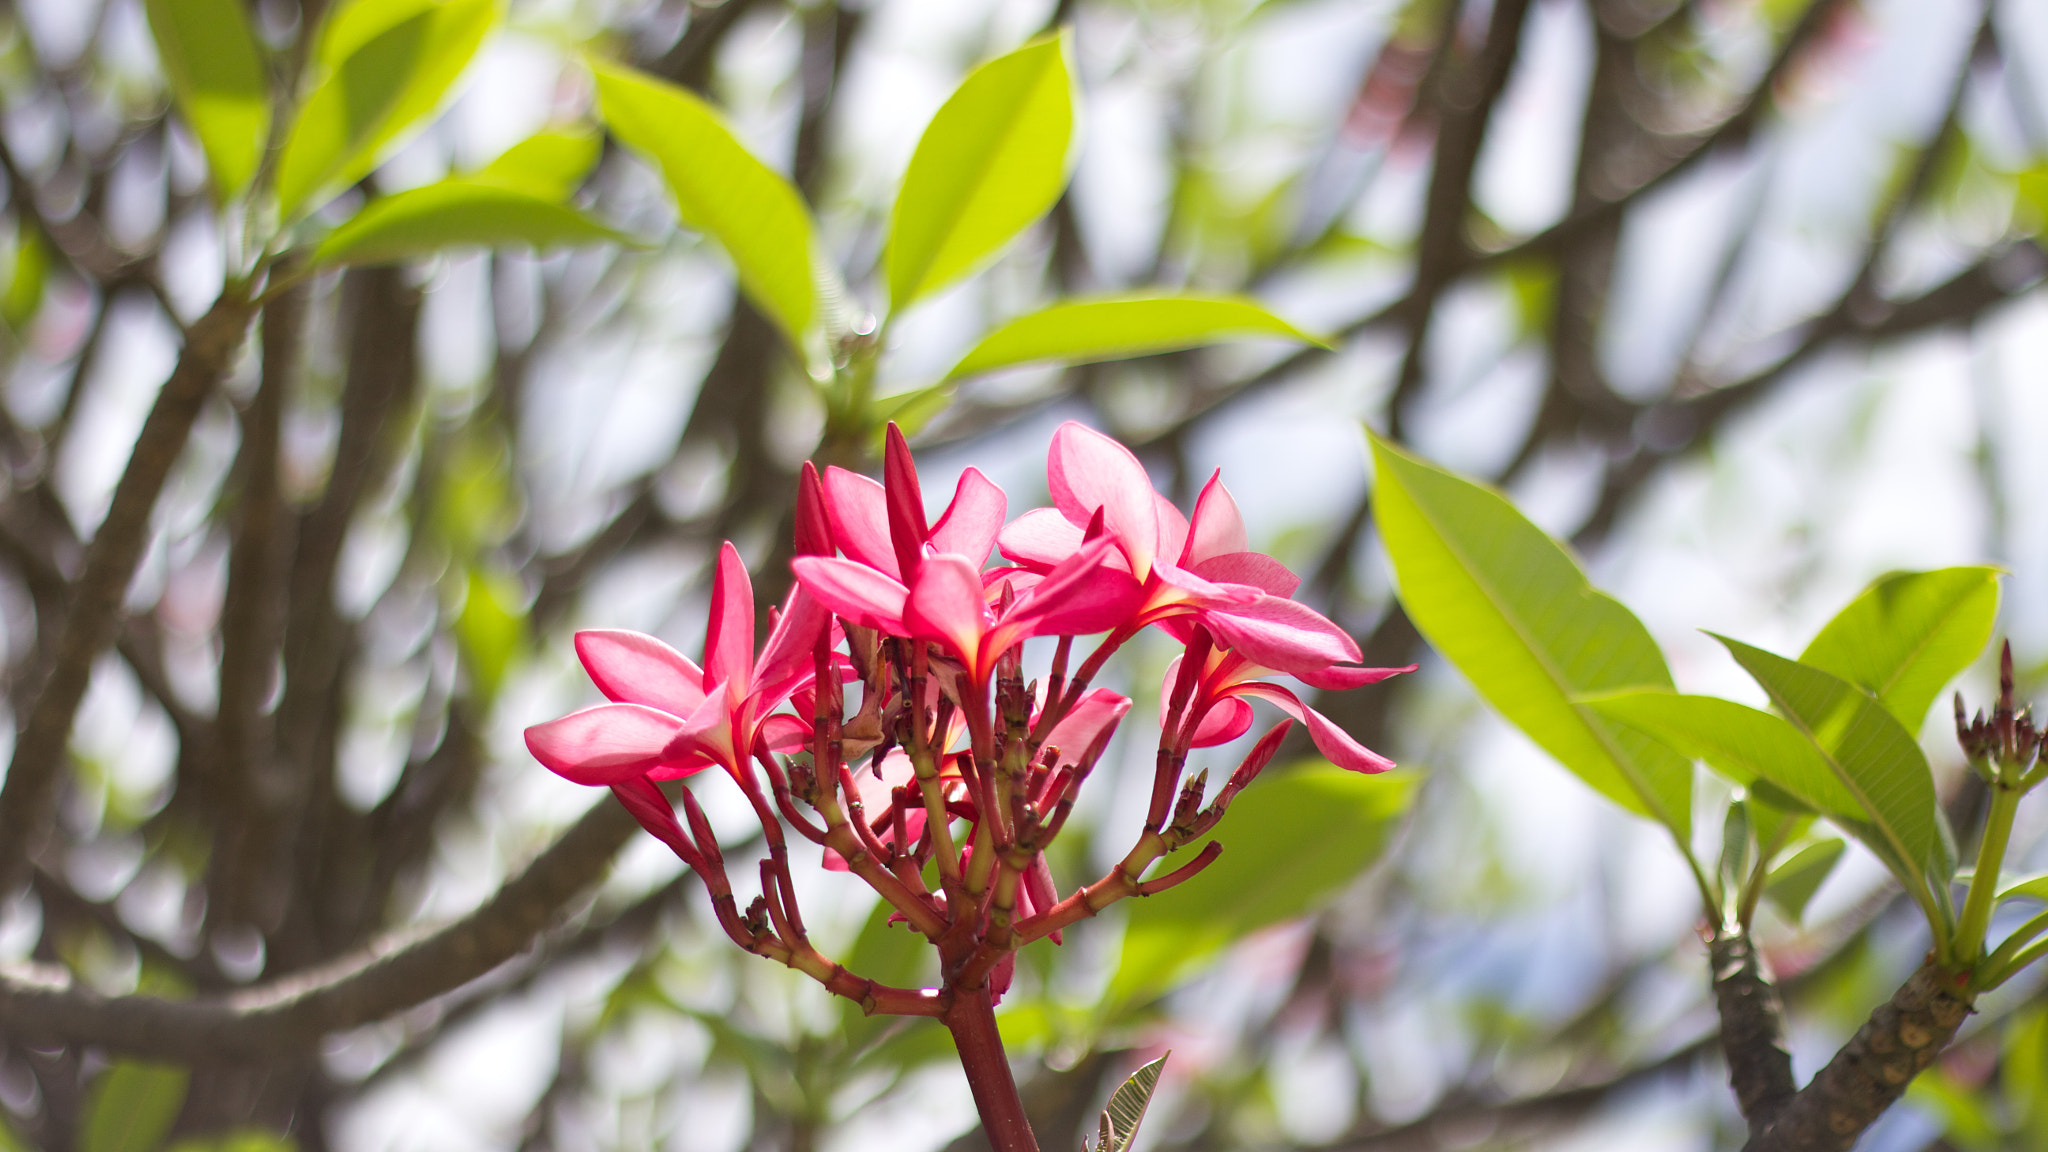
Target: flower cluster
[{"x": 950, "y": 764}]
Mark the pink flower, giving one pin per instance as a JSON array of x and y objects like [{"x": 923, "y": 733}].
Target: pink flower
[
  {"x": 670, "y": 719},
  {"x": 883, "y": 527},
  {"x": 1221, "y": 713},
  {"x": 1212, "y": 577}
]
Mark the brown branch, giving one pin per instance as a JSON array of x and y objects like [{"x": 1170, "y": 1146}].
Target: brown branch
[
  {"x": 290, "y": 1014},
  {"x": 1870, "y": 1073},
  {"x": 1752, "y": 1029},
  {"x": 93, "y": 618}
]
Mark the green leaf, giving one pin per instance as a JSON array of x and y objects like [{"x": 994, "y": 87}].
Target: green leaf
[
  {"x": 454, "y": 214},
  {"x": 31, "y": 274},
  {"x": 1908, "y": 634},
  {"x": 241, "y": 1140},
  {"x": 2029, "y": 887},
  {"x": 1119, "y": 1125},
  {"x": 1077, "y": 331},
  {"x": 1871, "y": 756},
  {"x": 1289, "y": 841},
  {"x": 1510, "y": 608},
  {"x": 218, "y": 78},
  {"x": 1791, "y": 885},
  {"x": 993, "y": 159},
  {"x": 132, "y": 1106},
  {"x": 546, "y": 164},
  {"x": 382, "y": 67},
  {"x": 894, "y": 954},
  {"x": 491, "y": 629},
  {"x": 721, "y": 190}
]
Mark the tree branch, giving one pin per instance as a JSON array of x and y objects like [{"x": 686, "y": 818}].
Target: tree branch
[
  {"x": 290, "y": 1014},
  {"x": 95, "y": 612}
]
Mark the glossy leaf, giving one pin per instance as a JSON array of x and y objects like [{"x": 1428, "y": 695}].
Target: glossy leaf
[
  {"x": 1791, "y": 885},
  {"x": 1907, "y": 635},
  {"x": 2033, "y": 886},
  {"x": 1510, "y": 608},
  {"x": 491, "y": 628},
  {"x": 456, "y": 214},
  {"x": 721, "y": 189},
  {"x": 217, "y": 75},
  {"x": 1291, "y": 840},
  {"x": 546, "y": 164},
  {"x": 1126, "y": 1110},
  {"x": 383, "y": 66},
  {"x": 1078, "y": 331},
  {"x": 1869, "y": 754},
  {"x": 131, "y": 1107},
  {"x": 993, "y": 159}
]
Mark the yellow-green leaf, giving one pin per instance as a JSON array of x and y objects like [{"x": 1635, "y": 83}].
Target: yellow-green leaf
[
  {"x": 721, "y": 189},
  {"x": 454, "y": 214},
  {"x": 131, "y": 1107},
  {"x": 547, "y": 164},
  {"x": 382, "y": 67},
  {"x": 1293, "y": 839},
  {"x": 1077, "y": 331},
  {"x": 217, "y": 76},
  {"x": 993, "y": 159},
  {"x": 1510, "y": 608},
  {"x": 1908, "y": 634}
]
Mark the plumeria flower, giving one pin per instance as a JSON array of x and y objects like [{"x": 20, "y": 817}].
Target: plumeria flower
[
  {"x": 668, "y": 718},
  {"x": 1212, "y": 577},
  {"x": 1221, "y": 712},
  {"x": 883, "y": 525}
]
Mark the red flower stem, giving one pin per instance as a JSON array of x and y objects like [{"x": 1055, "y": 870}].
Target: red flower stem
[
  {"x": 924, "y": 761},
  {"x": 972, "y": 1021},
  {"x": 785, "y": 803},
  {"x": 1185, "y": 872},
  {"x": 1056, "y": 710}
]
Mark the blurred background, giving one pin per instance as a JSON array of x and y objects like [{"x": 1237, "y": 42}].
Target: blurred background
[{"x": 1736, "y": 295}]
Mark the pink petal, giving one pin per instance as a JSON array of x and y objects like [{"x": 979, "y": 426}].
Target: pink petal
[
  {"x": 1337, "y": 678},
  {"x": 1083, "y": 594},
  {"x": 1086, "y": 471},
  {"x": 1226, "y": 720},
  {"x": 784, "y": 733},
  {"x": 1173, "y": 528},
  {"x": 1333, "y": 742},
  {"x": 1197, "y": 592},
  {"x": 859, "y": 514},
  {"x": 790, "y": 656},
  {"x": 729, "y": 637},
  {"x": 853, "y": 590},
  {"x": 1283, "y": 634},
  {"x": 603, "y": 744},
  {"x": 946, "y": 604},
  {"x": 1037, "y": 893},
  {"x": 654, "y": 813},
  {"x": 706, "y": 735},
  {"x": 813, "y": 523},
  {"x": 973, "y": 519},
  {"x": 1254, "y": 568},
  {"x": 1040, "y": 538},
  {"x": 635, "y": 668},
  {"x": 1101, "y": 710},
  {"x": 1218, "y": 527},
  {"x": 905, "y": 499}
]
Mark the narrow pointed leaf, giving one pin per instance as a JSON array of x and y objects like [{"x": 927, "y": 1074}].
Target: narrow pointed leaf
[
  {"x": 1119, "y": 1126},
  {"x": 1791, "y": 885},
  {"x": 1907, "y": 635},
  {"x": 217, "y": 75},
  {"x": 455, "y": 214},
  {"x": 382, "y": 66},
  {"x": 1079, "y": 331},
  {"x": 546, "y": 164},
  {"x": 1510, "y": 608},
  {"x": 993, "y": 159},
  {"x": 721, "y": 189},
  {"x": 1870, "y": 755}
]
